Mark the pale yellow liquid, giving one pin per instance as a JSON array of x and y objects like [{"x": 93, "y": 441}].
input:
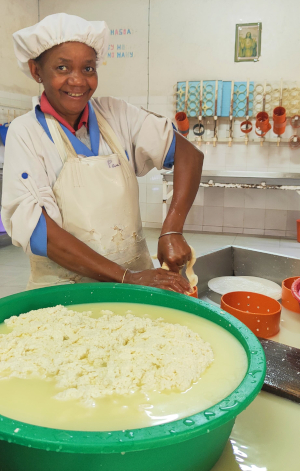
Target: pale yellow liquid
[
  {"x": 265, "y": 436},
  {"x": 32, "y": 401}
]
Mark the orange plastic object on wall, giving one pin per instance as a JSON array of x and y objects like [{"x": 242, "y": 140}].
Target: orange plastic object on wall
[
  {"x": 182, "y": 122},
  {"x": 262, "y": 124},
  {"x": 246, "y": 126},
  {"x": 279, "y": 120}
]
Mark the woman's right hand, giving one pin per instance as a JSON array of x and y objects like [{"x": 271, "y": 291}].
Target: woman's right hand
[{"x": 159, "y": 278}]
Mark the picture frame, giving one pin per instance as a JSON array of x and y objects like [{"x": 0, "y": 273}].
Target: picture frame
[{"x": 247, "y": 42}]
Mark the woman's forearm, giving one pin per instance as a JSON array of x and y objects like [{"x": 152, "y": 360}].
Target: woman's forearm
[
  {"x": 71, "y": 253},
  {"x": 188, "y": 163}
]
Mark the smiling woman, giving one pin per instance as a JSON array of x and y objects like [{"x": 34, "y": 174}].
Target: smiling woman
[
  {"x": 68, "y": 73},
  {"x": 70, "y": 192}
]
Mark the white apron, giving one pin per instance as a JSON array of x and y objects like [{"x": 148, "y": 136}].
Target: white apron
[{"x": 98, "y": 198}]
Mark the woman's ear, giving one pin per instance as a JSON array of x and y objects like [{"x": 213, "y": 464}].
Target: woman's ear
[{"x": 35, "y": 70}]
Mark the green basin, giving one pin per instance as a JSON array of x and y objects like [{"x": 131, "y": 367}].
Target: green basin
[{"x": 191, "y": 444}]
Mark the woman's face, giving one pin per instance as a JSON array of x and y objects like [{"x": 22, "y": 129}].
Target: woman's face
[{"x": 68, "y": 73}]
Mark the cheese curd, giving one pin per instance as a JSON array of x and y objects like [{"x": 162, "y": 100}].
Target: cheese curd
[{"x": 91, "y": 358}]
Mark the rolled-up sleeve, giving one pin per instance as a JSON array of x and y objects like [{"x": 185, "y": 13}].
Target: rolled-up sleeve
[
  {"x": 38, "y": 239},
  {"x": 26, "y": 188}
]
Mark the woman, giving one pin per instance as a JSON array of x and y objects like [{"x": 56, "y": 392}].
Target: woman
[{"x": 70, "y": 192}]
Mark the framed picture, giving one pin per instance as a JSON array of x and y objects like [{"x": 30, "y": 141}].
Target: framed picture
[{"x": 247, "y": 42}]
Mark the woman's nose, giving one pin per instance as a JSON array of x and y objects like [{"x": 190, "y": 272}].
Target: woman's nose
[{"x": 76, "y": 78}]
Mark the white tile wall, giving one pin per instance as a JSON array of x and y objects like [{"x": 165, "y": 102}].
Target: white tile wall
[
  {"x": 13, "y": 104},
  {"x": 154, "y": 194},
  {"x": 195, "y": 216},
  {"x": 214, "y": 196},
  {"x": 254, "y": 218},
  {"x": 234, "y": 198},
  {"x": 293, "y": 201},
  {"x": 233, "y": 217},
  {"x": 255, "y": 198},
  {"x": 276, "y": 199},
  {"x": 213, "y": 216},
  {"x": 143, "y": 193},
  {"x": 291, "y": 225},
  {"x": 275, "y": 219},
  {"x": 154, "y": 212}
]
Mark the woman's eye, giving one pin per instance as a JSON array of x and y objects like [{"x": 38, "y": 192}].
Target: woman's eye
[{"x": 62, "y": 67}]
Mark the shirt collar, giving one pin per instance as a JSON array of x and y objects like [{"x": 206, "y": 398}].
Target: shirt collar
[{"x": 47, "y": 108}]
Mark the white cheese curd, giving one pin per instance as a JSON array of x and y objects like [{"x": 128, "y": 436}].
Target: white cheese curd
[{"x": 90, "y": 358}]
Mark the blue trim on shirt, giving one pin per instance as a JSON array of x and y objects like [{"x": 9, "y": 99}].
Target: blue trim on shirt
[
  {"x": 169, "y": 160},
  {"x": 42, "y": 120},
  {"x": 38, "y": 239},
  {"x": 94, "y": 130},
  {"x": 79, "y": 147}
]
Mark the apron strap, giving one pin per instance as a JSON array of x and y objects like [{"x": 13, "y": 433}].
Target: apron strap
[
  {"x": 56, "y": 136},
  {"x": 108, "y": 134},
  {"x": 112, "y": 140}
]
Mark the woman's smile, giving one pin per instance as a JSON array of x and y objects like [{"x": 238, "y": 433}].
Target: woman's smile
[
  {"x": 76, "y": 95},
  {"x": 68, "y": 73}
]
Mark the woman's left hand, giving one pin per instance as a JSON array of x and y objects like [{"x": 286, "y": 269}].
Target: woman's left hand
[{"x": 174, "y": 250}]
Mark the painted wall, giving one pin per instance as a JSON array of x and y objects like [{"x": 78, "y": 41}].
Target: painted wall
[
  {"x": 121, "y": 76},
  {"x": 189, "y": 40},
  {"x": 15, "y": 15}
]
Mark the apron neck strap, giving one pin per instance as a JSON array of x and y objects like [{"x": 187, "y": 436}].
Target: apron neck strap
[{"x": 108, "y": 133}]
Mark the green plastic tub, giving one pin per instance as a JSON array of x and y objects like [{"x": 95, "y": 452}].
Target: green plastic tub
[{"x": 191, "y": 444}]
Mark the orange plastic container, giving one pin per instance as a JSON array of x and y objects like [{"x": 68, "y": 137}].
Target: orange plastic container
[
  {"x": 298, "y": 230},
  {"x": 182, "y": 123},
  {"x": 279, "y": 120},
  {"x": 262, "y": 124},
  {"x": 288, "y": 301},
  {"x": 257, "y": 311},
  {"x": 194, "y": 293}
]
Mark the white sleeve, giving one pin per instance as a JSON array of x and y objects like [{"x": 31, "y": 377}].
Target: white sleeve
[
  {"x": 147, "y": 137},
  {"x": 26, "y": 187},
  {"x": 152, "y": 136}
]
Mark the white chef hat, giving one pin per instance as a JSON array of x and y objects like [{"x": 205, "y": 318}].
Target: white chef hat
[{"x": 56, "y": 29}]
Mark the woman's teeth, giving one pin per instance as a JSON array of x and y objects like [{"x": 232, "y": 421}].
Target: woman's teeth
[{"x": 75, "y": 94}]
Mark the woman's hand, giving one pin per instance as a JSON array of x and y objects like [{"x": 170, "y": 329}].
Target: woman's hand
[
  {"x": 158, "y": 278},
  {"x": 174, "y": 250}
]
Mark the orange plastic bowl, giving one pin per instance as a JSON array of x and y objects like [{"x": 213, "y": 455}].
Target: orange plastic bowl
[
  {"x": 257, "y": 311},
  {"x": 194, "y": 293},
  {"x": 288, "y": 300}
]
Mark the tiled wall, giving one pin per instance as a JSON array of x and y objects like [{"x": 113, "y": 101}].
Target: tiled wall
[{"x": 244, "y": 211}]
